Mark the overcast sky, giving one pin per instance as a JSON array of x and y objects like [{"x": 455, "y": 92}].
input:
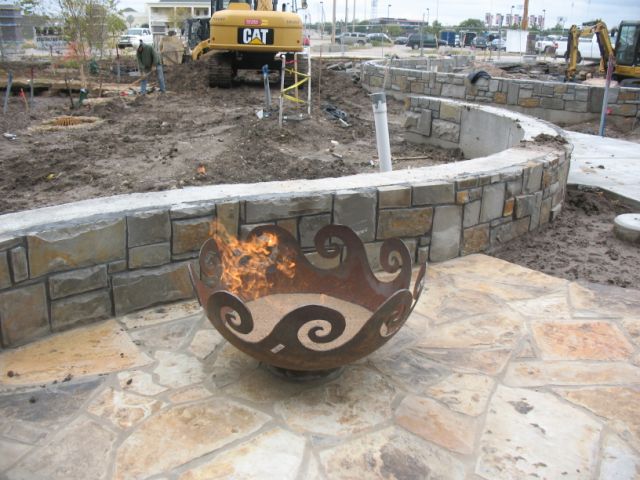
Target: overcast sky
[{"x": 452, "y": 12}]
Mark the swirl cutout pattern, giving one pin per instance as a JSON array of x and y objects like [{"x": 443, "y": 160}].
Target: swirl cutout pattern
[{"x": 229, "y": 313}]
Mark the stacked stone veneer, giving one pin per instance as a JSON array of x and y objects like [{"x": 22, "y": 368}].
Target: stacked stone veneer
[
  {"x": 112, "y": 256},
  {"x": 552, "y": 101}
]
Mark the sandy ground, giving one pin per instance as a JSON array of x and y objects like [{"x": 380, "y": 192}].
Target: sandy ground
[
  {"x": 611, "y": 130},
  {"x": 580, "y": 244},
  {"x": 193, "y": 135}
]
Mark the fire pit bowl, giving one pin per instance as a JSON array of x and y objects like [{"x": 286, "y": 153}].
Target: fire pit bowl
[{"x": 267, "y": 299}]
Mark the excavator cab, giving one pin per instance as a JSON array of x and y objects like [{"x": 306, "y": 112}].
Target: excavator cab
[{"x": 628, "y": 51}]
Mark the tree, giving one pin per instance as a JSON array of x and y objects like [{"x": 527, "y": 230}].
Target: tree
[
  {"x": 394, "y": 30},
  {"x": 130, "y": 19},
  {"x": 472, "y": 24},
  {"x": 88, "y": 23}
]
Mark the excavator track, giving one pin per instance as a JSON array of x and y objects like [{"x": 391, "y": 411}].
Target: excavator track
[{"x": 220, "y": 71}]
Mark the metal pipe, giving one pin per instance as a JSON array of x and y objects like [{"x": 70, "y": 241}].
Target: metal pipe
[
  {"x": 31, "y": 90},
  {"x": 382, "y": 130},
  {"x": 282, "y": 74},
  {"x": 308, "y": 53},
  {"x": 267, "y": 90},
  {"x": 7, "y": 93},
  {"x": 605, "y": 97}
]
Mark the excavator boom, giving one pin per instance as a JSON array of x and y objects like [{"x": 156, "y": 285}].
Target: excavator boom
[{"x": 626, "y": 55}]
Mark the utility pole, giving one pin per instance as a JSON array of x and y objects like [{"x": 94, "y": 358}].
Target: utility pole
[
  {"x": 422, "y": 35},
  {"x": 353, "y": 23},
  {"x": 346, "y": 16},
  {"x": 333, "y": 24}
]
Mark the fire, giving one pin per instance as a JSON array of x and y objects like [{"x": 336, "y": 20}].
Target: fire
[{"x": 248, "y": 267}]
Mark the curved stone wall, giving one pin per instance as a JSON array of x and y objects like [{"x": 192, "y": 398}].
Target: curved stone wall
[
  {"x": 555, "y": 102},
  {"x": 80, "y": 262}
]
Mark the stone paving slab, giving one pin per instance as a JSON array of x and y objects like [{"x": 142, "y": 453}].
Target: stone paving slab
[
  {"x": 500, "y": 373},
  {"x": 93, "y": 350}
]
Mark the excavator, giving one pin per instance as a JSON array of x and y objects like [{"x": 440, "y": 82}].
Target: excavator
[
  {"x": 247, "y": 35},
  {"x": 626, "y": 54}
]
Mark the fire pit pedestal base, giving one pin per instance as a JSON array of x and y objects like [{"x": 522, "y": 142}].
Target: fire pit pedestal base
[{"x": 305, "y": 376}]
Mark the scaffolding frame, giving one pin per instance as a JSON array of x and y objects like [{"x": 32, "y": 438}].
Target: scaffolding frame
[{"x": 299, "y": 79}]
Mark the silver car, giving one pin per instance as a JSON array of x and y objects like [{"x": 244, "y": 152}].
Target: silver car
[{"x": 353, "y": 38}]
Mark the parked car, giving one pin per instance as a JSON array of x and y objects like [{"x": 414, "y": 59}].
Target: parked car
[
  {"x": 353, "y": 38},
  {"x": 379, "y": 38},
  {"x": 498, "y": 44},
  {"x": 401, "y": 40},
  {"x": 428, "y": 41},
  {"x": 480, "y": 43},
  {"x": 134, "y": 36}
]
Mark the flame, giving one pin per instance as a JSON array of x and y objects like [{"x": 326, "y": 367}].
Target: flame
[{"x": 248, "y": 268}]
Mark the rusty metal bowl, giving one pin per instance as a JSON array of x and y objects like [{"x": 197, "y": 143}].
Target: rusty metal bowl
[{"x": 309, "y": 319}]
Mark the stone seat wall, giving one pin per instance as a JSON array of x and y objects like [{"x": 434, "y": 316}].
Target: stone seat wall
[
  {"x": 555, "y": 102},
  {"x": 81, "y": 262}
]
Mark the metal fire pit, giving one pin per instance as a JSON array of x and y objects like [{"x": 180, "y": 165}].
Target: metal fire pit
[{"x": 297, "y": 317}]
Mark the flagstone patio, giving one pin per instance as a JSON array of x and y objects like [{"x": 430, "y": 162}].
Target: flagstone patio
[{"x": 500, "y": 373}]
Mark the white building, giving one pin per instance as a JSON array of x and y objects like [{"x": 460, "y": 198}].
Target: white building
[{"x": 163, "y": 12}]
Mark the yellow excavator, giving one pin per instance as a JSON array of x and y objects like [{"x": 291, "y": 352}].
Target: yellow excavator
[
  {"x": 247, "y": 35},
  {"x": 626, "y": 54}
]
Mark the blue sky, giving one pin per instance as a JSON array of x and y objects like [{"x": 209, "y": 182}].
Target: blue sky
[{"x": 452, "y": 12}]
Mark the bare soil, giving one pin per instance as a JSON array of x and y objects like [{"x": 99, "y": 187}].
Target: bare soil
[
  {"x": 193, "y": 135},
  {"x": 611, "y": 130},
  {"x": 580, "y": 244}
]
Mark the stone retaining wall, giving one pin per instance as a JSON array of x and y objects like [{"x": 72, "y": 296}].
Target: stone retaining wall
[
  {"x": 552, "y": 101},
  {"x": 76, "y": 263}
]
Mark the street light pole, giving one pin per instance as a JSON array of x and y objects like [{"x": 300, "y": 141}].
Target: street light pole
[
  {"x": 421, "y": 35},
  {"x": 544, "y": 19},
  {"x": 333, "y": 24},
  {"x": 321, "y": 20},
  {"x": 346, "y": 16},
  {"x": 511, "y": 17}
]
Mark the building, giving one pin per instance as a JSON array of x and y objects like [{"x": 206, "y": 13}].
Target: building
[
  {"x": 499, "y": 19},
  {"x": 165, "y": 14},
  {"x": 533, "y": 21},
  {"x": 488, "y": 19},
  {"x": 11, "y": 24}
]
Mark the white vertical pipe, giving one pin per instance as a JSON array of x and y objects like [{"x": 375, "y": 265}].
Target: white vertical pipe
[{"x": 382, "y": 130}]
